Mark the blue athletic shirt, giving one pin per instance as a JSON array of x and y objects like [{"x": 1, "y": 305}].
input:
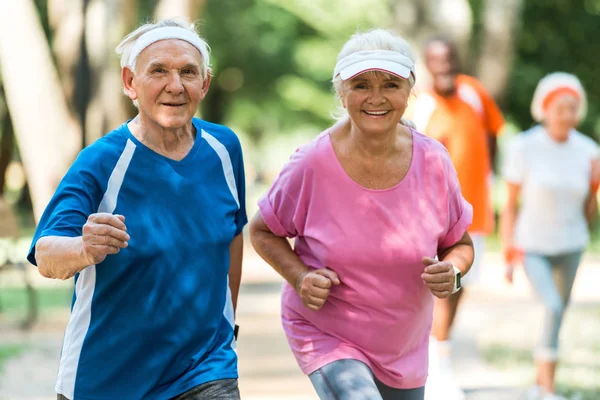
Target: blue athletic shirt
[{"x": 156, "y": 319}]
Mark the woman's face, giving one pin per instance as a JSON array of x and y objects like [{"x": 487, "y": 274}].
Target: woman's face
[
  {"x": 560, "y": 115},
  {"x": 168, "y": 83},
  {"x": 375, "y": 101}
]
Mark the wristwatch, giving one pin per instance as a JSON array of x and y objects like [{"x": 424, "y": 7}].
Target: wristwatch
[{"x": 457, "y": 277}]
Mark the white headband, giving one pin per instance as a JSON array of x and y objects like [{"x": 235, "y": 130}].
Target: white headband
[
  {"x": 554, "y": 81},
  {"x": 168, "y": 32},
  {"x": 374, "y": 60}
]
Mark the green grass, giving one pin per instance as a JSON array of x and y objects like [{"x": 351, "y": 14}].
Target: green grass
[
  {"x": 10, "y": 351},
  {"x": 578, "y": 374},
  {"x": 14, "y": 300},
  {"x": 14, "y": 308}
]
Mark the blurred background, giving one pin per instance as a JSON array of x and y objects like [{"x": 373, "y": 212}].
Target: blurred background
[{"x": 60, "y": 90}]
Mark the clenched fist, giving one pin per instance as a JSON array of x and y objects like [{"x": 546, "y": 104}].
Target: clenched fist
[
  {"x": 438, "y": 276},
  {"x": 314, "y": 286},
  {"x": 103, "y": 234}
]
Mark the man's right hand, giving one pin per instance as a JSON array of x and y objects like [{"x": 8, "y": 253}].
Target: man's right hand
[
  {"x": 314, "y": 286},
  {"x": 103, "y": 234}
]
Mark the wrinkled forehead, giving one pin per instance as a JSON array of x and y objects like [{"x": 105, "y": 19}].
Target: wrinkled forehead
[{"x": 170, "y": 51}]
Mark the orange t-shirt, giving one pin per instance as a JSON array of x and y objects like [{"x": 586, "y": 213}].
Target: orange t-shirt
[{"x": 463, "y": 123}]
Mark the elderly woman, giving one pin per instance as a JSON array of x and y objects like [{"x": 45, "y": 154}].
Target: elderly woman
[
  {"x": 148, "y": 220},
  {"x": 371, "y": 203},
  {"x": 551, "y": 171}
]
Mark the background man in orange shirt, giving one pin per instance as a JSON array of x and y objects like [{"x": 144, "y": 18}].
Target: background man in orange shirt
[{"x": 461, "y": 114}]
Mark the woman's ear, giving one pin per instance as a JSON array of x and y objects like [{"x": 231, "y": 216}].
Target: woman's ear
[{"x": 127, "y": 76}]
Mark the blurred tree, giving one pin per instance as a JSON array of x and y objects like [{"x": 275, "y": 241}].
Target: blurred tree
[
  {"x": 190, "y": 9},
  {"x": 501, "y": 23},
  {"x": 417, "y": 20},
  {"x": 558, "y": 35},
  {"x": 106, "y": 23},
  {"x": 254, "y": 45},
  {"x": 7, "y": 142},
  {"x": 48, "y": 137}
]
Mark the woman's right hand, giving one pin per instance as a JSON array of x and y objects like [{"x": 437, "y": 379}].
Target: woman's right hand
[
  {"x": 313, "y": 286},
  {"x": 103, "y": 234}
]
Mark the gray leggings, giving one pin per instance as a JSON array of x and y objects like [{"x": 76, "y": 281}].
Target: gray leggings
[
  {"x": 552, "y": 279},
  {"x": 222, "y": 389},
  {"x": 353, "y": 380}
]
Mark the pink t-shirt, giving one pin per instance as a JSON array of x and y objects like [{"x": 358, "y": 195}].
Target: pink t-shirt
[{"x": 381, "y": 313}]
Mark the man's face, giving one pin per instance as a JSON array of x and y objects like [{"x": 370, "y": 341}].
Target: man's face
[
  {"x": 438, "y": 60},
  {"x": 168, "y": 83}
]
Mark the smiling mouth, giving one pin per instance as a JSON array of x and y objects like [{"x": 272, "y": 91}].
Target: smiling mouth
[
  {"x": 173, "y": 104},
  {"x": 376, "y": 113}
]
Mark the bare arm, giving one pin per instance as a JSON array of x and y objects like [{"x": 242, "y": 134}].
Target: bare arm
[
  {"x": 591, "y": 203},
  {"x": 509, "y": 214},
  {"x": 236, "y": 253},
  {"x": 439, "y": 275},
  {"x": 313, "y": 286},
  {"x": 460, "y": 254},
  {"x": 62, "y": 257},
  {"x": 591, "y": 209},
  {"x": 276, "y": 251}
]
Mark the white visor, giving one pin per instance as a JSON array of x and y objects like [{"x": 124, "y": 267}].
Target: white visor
[
  {"x": 374, "y": 60},
  {"x": 164, "y": 33}
]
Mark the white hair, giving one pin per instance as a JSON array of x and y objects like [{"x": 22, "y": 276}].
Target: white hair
[
  {"x": 375, "y": 39},
  {"x": 124, "y": 48}
]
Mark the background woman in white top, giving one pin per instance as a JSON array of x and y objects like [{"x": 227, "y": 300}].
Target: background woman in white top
[{"x": 550, "y": 172}]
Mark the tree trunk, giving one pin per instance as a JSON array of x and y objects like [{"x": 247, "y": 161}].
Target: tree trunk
[
  {"x": 7, "y": 143},
  {"x": 418, "y": 20},
  {"x": 106, "y": 23},
  {"x": 189, "y": 9},
  {"x": 66, "y": 23},
  {"x": 48, "y": 137},
  {"x": 501, "y": 21}
]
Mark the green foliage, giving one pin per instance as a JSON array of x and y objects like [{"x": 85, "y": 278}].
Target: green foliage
[
  {"x": 14, "y": 300},
  {"x": 557, "y": 35},
  {"x": 8, "y": 351},
  {"x": 254, "y": 46},
  {"x": 273, "y": 61}
]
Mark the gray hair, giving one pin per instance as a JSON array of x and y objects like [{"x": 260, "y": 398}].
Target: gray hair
[
  {"x": 124, "y": 48},
  {"x": 375, "y": 39}
]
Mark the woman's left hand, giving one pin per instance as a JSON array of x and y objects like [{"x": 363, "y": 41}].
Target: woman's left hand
[{"x": 438, "y": 276}]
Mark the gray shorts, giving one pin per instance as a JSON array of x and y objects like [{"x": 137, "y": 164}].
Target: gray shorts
[{"x": 222, "y": 389}]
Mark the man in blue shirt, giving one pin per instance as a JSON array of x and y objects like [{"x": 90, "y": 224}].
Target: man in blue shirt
[{"x": 149, "y": 221}]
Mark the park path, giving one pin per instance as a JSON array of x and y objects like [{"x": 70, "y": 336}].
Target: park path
[{"x": 268, "y": 371}]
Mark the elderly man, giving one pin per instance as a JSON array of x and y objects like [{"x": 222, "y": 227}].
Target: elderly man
[{"x": 149, "y": 221}]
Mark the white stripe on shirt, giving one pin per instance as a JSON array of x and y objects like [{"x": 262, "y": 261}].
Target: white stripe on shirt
[{"x": 79, "y": 322}]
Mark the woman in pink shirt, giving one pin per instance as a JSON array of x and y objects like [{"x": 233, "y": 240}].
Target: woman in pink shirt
[{"x": 370, "y": 203}]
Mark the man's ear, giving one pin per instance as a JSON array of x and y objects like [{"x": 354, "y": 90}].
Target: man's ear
[
  {"x": 127, "y": 76},
  {"x": 206, "y": 83}
]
